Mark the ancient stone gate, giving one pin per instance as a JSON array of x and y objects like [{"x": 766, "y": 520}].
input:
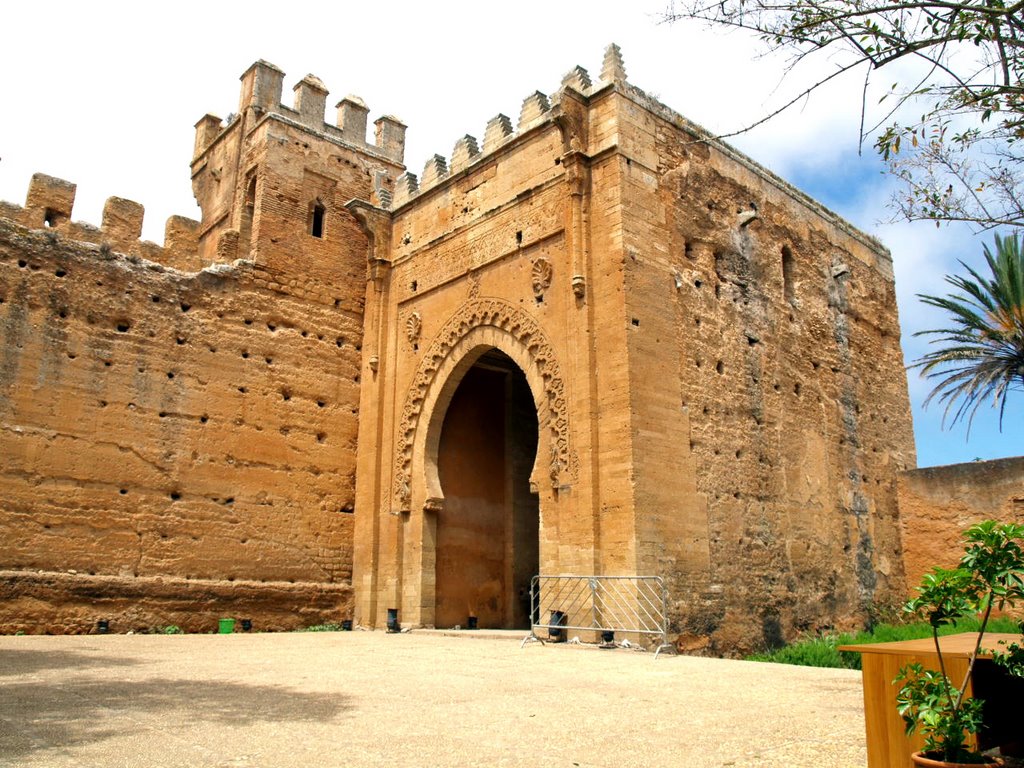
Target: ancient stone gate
[{"x": 598, "y": 342}]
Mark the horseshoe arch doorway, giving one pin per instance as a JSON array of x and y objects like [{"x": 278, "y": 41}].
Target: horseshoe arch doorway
[{"x": 487, "y": 534}]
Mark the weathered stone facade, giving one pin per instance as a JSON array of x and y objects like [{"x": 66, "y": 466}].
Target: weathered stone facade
[
  {"x": 938, "y": 503},
  {"x": 597, "y": 343}
]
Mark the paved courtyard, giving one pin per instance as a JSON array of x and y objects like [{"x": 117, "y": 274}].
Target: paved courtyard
[{"x": 416, "y": 699}]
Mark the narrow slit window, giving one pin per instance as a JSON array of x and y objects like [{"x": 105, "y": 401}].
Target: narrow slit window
[
  {"x": 787, "y": 273},
  {"x": 316, "y": 224}
]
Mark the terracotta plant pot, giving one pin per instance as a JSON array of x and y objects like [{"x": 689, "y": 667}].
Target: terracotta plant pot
[{"x": 927, "y": 762}]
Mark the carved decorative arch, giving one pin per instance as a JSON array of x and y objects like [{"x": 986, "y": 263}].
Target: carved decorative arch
[{"x": 521, "y": 330}]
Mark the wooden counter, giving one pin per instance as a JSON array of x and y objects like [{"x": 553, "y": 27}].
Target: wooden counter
[{"x": 887, "y": 742}]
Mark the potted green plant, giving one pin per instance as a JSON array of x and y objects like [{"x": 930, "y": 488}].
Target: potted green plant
[{"x": 990, "y": 576}]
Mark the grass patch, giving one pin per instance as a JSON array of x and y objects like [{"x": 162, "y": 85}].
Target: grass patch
[
  {"x": 330, "y": 626},
  {"x": 820, "y": 650}
]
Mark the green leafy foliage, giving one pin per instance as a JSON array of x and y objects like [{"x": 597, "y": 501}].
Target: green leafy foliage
[
  {"x": 820, "y": 650},
  {"x": 990, "y": 575},
  {"x": 330, "y": 626},
  {"x": 925, "y": 702},
  {"x": 980, "y": 356},
  {"x": 172, "y": 629}
]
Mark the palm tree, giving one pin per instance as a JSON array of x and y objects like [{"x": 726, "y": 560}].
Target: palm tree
[{"x": 982, "y": 354}]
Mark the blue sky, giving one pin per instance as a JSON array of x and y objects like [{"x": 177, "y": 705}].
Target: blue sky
[{"x": 105, "y": 94}]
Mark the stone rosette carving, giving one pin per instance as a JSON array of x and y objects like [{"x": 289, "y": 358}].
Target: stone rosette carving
[
  {"x": 540, "y": 276},
  {"x": 413, "y": 327},
  {"x": 527, "y": 333}
]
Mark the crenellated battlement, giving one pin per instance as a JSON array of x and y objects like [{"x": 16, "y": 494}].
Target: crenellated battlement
[
  {"x": 261, "y": 92},
  {"x": 537, "y": 108},
  {"x": 49, "y": 205}
]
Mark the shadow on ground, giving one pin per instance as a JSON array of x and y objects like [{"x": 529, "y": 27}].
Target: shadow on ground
[
  {"x": 28, "y": 662},
  {"x": 37, "y": 716}
]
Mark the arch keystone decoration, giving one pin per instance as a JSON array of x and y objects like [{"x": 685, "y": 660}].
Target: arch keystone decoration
[{"x": 525, "y": 341}]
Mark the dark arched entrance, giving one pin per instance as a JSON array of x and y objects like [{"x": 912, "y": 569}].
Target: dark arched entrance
[{"x": 487, "y": 529}]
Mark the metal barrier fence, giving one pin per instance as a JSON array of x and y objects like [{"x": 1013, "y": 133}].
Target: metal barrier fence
[{"x": 599, "y": 604}]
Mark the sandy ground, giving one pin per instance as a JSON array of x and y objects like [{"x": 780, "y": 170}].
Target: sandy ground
[{"x": 417, "y": 699}]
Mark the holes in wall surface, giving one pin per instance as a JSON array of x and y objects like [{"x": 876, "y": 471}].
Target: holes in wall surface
[
  {"x": 271, "y": 327},
  {"x": 248, "y": 321},
  {"x": 635, "y": 322},
  {"x": 243, "y": 390},
  {"x": 688, "y": 250},
  {"x": 170, "y": 374},
  {"x": 286, "y": 394},
  {"x": 203, "y": 419},
  {"x": 180, "y": 340},
  {"x": 175, "y": 496},
  {"x": 50, "y": 218},
  {"x": 185, "y": 307},
  {"x": 245, "y": 354},
  {"x": 303, "y": 333},
  {"x": 22, "y": 263},
  {"x": 720, "y": 367},
  {"x": 338, "y": 342},
  {"x": 317, "y": 217},
  {"x": 62, "y": 314},
  {"x": 60, "y": 273},
  {"x": 337, "y": 303},
  {"x": 413, "y": 286},
  {"x": 268, "y": 360},
  {"x": 348, "y": 509},
  {"x": 71, "y": 355},
  {"x": 321, "y": 436},
  {"x": 320, "y": 403},
  {"x": 123, "y": 327},
  {"x": 519, "y": 237}
]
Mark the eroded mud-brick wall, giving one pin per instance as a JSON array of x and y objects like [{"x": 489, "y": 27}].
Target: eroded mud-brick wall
[
  {"x": 771, "y": 410},
  {"x": 938, "y": 503},
  {"x": 173, "y": 427},
  {"x": 178, "y": 424}
]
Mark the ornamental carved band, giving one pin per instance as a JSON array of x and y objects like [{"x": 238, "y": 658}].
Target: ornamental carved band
[{"x": 525, "y": 331}]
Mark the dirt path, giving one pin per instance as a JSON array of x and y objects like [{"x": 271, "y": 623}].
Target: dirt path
[{"x": 370, "y": 699}]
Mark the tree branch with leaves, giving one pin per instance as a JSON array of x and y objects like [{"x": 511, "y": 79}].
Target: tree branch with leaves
[{"x": 959, "y": 157}]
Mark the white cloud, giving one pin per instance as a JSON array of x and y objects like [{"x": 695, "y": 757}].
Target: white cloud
[{"x": 105, "y": 94}]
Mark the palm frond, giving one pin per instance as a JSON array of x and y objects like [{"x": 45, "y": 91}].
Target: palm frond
[{"x": 980, "y": 356}]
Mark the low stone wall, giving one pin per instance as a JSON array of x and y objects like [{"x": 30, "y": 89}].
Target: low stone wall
[
  {"x": 52, "y": 602},
  {"x": 938, "y": 503}
]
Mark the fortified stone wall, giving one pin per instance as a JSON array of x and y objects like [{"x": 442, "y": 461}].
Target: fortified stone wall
[
  {"x": 659, "y": 360},
  {"x": 765, "y": 361},
  {"x": 731, "y": 396},
  {"x": 179, "y": 424},
  {"x": 938, "y": 503}
]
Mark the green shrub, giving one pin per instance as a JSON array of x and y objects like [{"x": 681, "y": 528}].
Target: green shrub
[
  {"x": 172, "y": 629},
  {"x": 820, "y": 650}
]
